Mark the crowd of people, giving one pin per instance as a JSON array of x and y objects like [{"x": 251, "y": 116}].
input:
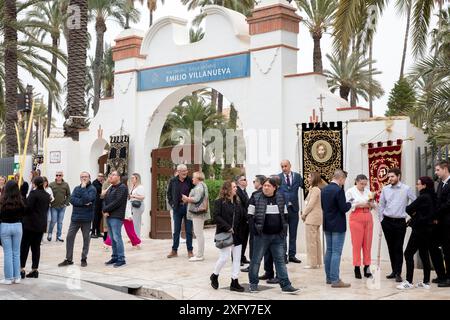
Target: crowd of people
[
  {"x": 98, "y": 206},
  {"x": 268, "y": 221},
  {"x": 262, "y": 225}
]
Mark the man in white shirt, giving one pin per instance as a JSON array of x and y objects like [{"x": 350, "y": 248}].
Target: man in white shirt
[{"x": 393, "y": 201}]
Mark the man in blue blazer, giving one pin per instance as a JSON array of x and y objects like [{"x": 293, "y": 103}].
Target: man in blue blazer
[
  {"x": 291, "y": 182},
  {"x": 335, "y": 206}
]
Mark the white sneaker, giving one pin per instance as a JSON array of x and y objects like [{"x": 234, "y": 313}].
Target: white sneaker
[
  {"x": 6, "y": 282},
  {"x": 405, "y": 285},
  {"x": 17, "y": 280},
  {"x": 422, "y": 285},
  {"x": 193, "y": 259}
]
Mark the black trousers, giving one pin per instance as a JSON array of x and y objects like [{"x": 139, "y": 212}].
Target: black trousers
[
  {"x": 30, "y": 239},
  {"x": 245, "y": 232},
  {"x": 419, "y": 240},
  {"x": 98, "y": 216},
  {"x": 394, "y": 231},
  {"x": 445, "y": 236},
  {"x": 437, "y": 259}
]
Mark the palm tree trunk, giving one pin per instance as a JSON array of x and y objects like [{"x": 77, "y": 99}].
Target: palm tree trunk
[
  {"x": 151, "y": 18},
  {"x": 76, "y": 72},
  {"x": 53, "y": 71},
  {"x": 405, "y": 44},
  {"x": 100, "y": 28},
  {"x": 344, "y": 92},
  {"x": 214, "y": 98},
  {"x": 219, "y": 103},
  {"x": 127, "y": 21},
  {"x": 317, "y": 53},
  {"x": 11, "y": 79}
]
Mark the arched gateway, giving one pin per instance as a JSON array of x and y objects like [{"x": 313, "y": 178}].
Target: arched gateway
[{"x": 252, "y": 62}]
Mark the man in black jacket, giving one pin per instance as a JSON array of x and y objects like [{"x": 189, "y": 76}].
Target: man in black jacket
[
  {"x": 241, "y": 192},
  {"x": 180, "y": 185},
  {"x": 441, "y": 234},
  {"x": 83, "y": 201},
  {"x": 98, "y": 183},
  {"x": 114, "y": 206}
]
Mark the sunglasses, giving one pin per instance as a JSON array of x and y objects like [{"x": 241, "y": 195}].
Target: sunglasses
[
  {"x": 59, "y": 175},
  {"x": 82, "y": 177}
]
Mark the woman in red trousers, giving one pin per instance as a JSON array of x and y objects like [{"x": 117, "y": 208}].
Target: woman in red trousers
[{"x": 361, "y": 224}]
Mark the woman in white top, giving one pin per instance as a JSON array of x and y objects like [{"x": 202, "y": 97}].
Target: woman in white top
[
  {"x": 137, "y": 196},
  {"x": 50, "y": 192},
  {"x": 361, "y": 224}
]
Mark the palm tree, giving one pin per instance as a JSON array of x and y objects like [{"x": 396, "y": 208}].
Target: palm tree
[
  {"x": 26, "y": 54},
  {"x": 49, "y": 19},
  {"x": 11, "y": 70},
  {"x": 76, "y": 71},
  {"x": 102, "y": 10},
  {"x": 348, "y": 18},
  {"x": 351, "y": 76},
  {"x": 152, "y": 5},
  {"x": 108, "y": 73},
  {"x": 320, "y": 14},
  {"x": 190, "y": 109},
  {"x": 404, "y": 7}
]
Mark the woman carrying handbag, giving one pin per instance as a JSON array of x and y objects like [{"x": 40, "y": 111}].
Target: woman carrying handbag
[
  {"x": 229, "y": 220},
  {"x": 198, "y": 211}
]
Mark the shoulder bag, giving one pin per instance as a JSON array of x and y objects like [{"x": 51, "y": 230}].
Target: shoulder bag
[
  {"x": 135, "y": 203},
  {"x": 202, "y": 206},
  {"x": 225, "y": 239}
]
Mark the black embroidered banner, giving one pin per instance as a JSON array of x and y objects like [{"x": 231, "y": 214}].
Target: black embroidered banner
[
  {"x": 322, "y": 149},
  {"x": 118, "y": 154}
]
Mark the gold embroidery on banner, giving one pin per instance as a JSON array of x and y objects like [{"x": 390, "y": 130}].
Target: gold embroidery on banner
[{"x": 324, "y": 160}]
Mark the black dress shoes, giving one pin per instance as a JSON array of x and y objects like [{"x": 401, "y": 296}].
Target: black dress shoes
[
  {"x": 244, "y": 260},
  {"x": 438, "y": 280},
  {"x": 273, "y": 281},
  {"x": 391, "y": 276},
  {"x": 398, "y": 278},
  {"x": 358, "y": 273},
  {"x": 444, "y": 284},
  {"x": 265, "y": 276},
  {"x": 294, "y": 260}
]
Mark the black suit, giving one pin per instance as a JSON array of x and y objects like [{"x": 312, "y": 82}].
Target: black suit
[
  {"x": 441, "y": 232},
  {"x": 243, "y": 197}
]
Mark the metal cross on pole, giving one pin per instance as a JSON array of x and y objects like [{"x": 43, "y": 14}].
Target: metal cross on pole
[{"x": 321, "y": 98}]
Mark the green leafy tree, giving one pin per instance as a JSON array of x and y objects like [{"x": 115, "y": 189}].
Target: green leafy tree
[{"x": 401, "y": 99}]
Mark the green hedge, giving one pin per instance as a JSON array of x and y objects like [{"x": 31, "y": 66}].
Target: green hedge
[{"x": 213, "y": 190}]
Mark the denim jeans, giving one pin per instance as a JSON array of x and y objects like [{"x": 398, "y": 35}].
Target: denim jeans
[
  {"x": 274, "y": 243},
  {"x": 57, "y": 217},
  {"x": 178, "y": 215},
  {"x": 115, "y": 233},
  {"x": 335, "y": 243},
  {"x": 11, "y": 234}
]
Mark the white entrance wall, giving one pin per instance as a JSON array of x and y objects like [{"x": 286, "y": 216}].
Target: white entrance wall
[{"x": 274, "y": 97}]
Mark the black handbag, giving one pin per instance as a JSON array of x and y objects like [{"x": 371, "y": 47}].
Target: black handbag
[
  {"x": 225, "y": 239},
  {"x": 136, "y": 204}
]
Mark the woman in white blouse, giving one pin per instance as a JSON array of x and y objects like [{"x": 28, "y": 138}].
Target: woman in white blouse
[
  {"x": 361, "y": 224},
  {"x": 137, "y": 195}
]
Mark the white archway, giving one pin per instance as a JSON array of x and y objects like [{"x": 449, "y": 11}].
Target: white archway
[{"x": 97, "y": 150}]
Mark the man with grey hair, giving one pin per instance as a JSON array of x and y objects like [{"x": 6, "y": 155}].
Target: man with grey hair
[
  {"x": 178, "y": 186},
  {"x": 334, "y": 206},
  {"x": 83, "y": 201}
]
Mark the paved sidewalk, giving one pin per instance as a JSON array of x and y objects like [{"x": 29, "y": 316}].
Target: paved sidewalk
[{"x": 177, "y": 278}]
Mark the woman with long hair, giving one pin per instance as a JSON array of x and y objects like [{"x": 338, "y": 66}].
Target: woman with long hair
[
  {"x": 361, "y": 224},
  {"x": 421, "y": 211},
  {"x": 312, "y": 217},
  {"x": 2, "y": 184},
  {"x": 12, "y": 210},
  {"x": 50, "y": 192},
  {"x": 34, "y": 226},
  {"x": 137, "y": 196},
  {"x": 229, "y": 219}
]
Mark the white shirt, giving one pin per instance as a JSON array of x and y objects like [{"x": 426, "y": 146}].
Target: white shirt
[
  {"x": 355, "y": 197},
  {"x": 138, "y": 191},
  {"x": 50, "y": 192},
  {"x": 446, "y": 181}
]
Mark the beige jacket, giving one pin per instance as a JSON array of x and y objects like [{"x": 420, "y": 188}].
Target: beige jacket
[{"x": 312, "y": 214}]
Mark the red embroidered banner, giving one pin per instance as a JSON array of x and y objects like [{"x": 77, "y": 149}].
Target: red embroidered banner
[{"x": 382, "y": 158}]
